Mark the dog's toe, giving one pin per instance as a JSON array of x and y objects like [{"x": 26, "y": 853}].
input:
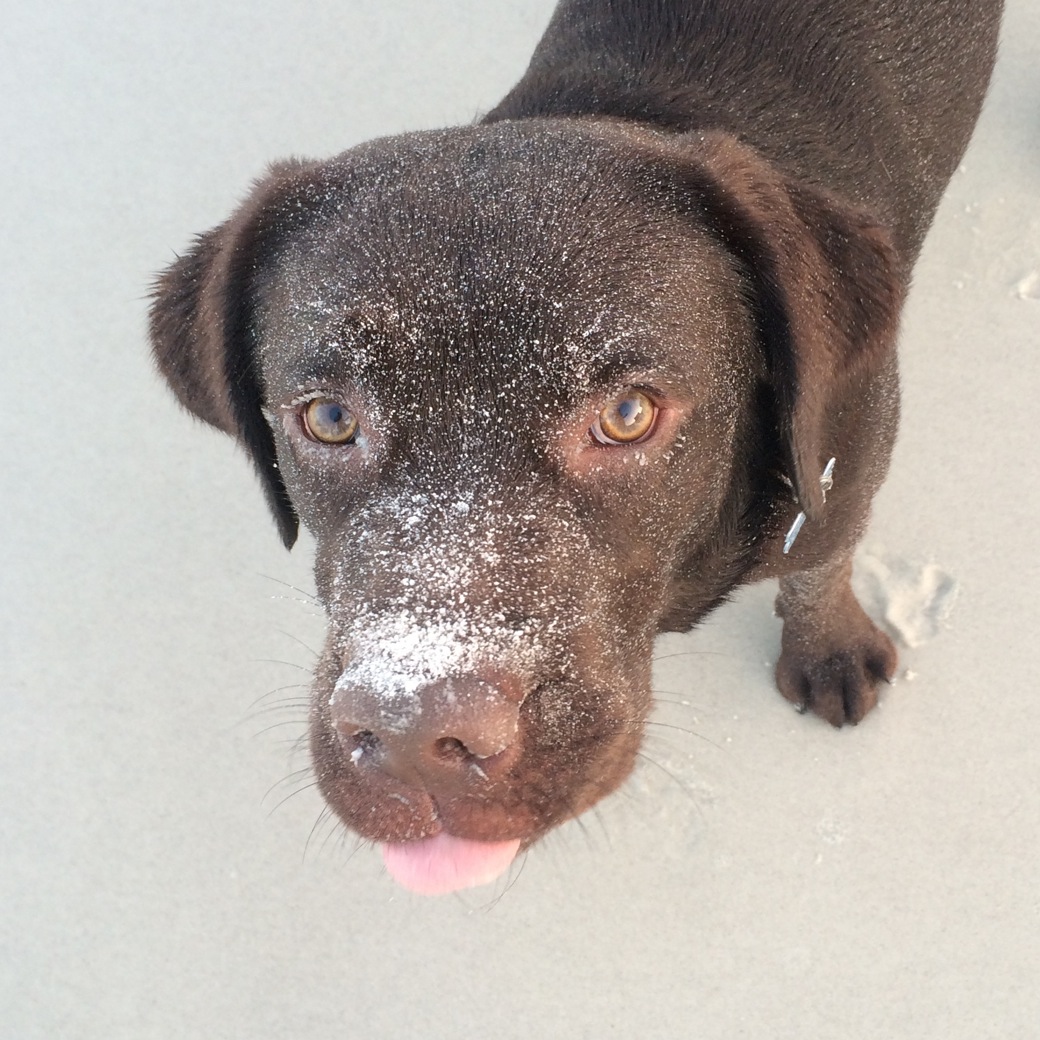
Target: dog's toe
[{"x": 838, "y": 684}]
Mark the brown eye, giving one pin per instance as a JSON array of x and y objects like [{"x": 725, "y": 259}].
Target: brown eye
[
  {"x": 327, "y": 421},
  {"x": 628, "y": 418}
]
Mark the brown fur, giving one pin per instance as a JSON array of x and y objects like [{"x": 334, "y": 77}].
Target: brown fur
[{"x": 717, "y": 203}]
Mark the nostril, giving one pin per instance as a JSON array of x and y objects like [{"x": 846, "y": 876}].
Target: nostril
[
  {"x": 357, "y": 742},
  {"x": 450, "y": 749},
  {"x": 451, "y": 757},
  {"x": 449, "y": 731}
]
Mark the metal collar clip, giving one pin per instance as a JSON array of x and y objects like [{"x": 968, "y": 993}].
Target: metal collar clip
[{"x": 826, "y": 483}]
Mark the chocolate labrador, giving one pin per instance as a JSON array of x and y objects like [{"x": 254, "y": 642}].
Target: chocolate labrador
[{"x": 546, "y": 386}]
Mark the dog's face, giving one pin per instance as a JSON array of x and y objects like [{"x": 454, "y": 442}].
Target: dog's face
[
  {"x": 504, "y": 412},
  {"x": 512, "y": 379}
]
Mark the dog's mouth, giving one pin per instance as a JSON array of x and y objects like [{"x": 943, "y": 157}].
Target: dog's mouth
[
  {"x": 431, "y": 844},
  {"x": 465, "y": 842},
  {"x": 448, "y": 817}
]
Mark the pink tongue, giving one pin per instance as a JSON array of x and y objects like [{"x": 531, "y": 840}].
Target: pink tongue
[{"x": 445, "y": 863}]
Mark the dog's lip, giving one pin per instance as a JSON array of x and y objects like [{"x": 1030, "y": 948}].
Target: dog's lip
[
  {"x": 464, "y": 819},
  {"x": 404, "y": 813}
]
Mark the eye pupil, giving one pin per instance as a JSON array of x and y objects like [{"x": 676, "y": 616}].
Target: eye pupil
[
  {"x": 628, "y": 418},
  {"x": 327, "y": 421}
]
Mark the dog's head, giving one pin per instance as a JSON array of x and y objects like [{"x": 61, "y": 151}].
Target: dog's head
[{"x": 534, "y": 388}]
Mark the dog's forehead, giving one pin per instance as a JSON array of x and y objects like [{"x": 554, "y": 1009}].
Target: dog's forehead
[{"x": 481, "y": 255}]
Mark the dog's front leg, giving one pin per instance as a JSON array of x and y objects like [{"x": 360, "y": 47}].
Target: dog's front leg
[{"x": 832, "y": 656}]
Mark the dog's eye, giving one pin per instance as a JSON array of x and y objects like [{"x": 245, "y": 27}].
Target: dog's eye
[
  {"x": 327, "y": 421},
  {"x": 628, "y": 418}
]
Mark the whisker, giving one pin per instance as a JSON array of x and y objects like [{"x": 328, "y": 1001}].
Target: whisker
[
  {"x": 321, "y": 821},
  {"x": 285, "y": 712},
  {"x": 598, "y": 816},
  {"x": 292, "y": 794},
  {"x": 667, "y": 772},
  {"x": 296, "y": 639},
  {"x": 579, "y": 821},
  {"x": 292, "y": 778},
  {"x": 688, "y": 732},
  {"x": 288, "y": 664},
  {"x": 280, "y": 725},
  {"x": 280, "y": 689},
  {"x": 308, "y": 608},
  {"x": 514, "y": 876},
  {"x": 310, "y": 596},
  {"x": 342, "y": 833},
  {"x": 637, "y": 724},
  {"x": 690, "y": 653},
  {"x": 289, "y": 704},
  {"x": 678, "y": 700}
]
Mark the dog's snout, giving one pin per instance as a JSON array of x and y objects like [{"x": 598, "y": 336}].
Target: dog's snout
[{"x": 452, "y": 731}]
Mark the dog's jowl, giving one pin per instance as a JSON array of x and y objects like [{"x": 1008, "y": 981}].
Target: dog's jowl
[{"x": 548, "y": 385}]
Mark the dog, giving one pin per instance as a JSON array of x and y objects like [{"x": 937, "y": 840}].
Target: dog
[{"x": 548, "y": 385}]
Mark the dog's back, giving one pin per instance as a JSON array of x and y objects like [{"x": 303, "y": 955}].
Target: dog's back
[{"x": 858, "y": 96}]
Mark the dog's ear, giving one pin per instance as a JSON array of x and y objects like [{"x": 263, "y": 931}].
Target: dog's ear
[
  {"x": 828, "y": 286},
  {"x": 202, "y": 333}
]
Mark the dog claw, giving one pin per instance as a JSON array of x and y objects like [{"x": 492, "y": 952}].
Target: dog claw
[{"x": 841, "y": 688}]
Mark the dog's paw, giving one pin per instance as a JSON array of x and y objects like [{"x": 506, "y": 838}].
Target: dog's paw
[{"x": 834, "y": 667}]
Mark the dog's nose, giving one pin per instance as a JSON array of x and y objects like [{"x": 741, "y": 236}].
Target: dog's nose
[{"x": 452, "y": 731}]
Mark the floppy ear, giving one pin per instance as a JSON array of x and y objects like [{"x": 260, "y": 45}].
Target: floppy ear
[
  {"x": 203, "y": 337},
  {"x": 828, "y": 283}
]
